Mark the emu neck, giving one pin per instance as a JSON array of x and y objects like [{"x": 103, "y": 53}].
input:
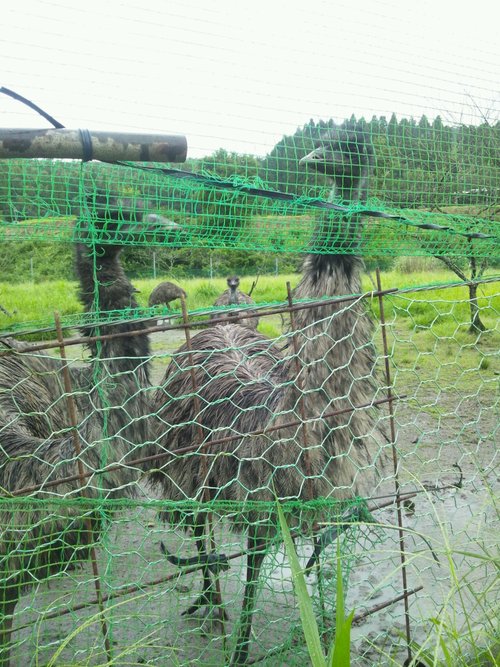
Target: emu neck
[
  {"x": 350, "y": 189},
  {"x": 233, "y": 295},
  {"x": 105, "y": 287},
  {"x": 340, "y": 234},
  {"x": 333, "y": 339},
  {"x": 334, "y": 334}
]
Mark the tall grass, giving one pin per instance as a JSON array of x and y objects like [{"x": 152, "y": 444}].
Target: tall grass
[
  {"x": 339, "y": 654},
  {"x": 465, "y": 632},
  {"x": 128, "y": 655}
]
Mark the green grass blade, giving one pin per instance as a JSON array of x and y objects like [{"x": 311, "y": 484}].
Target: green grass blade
[
  {"x": 309, "y": 625},
  {"x": 340, "y": 612},
  {"x": 341, "y": 655}
]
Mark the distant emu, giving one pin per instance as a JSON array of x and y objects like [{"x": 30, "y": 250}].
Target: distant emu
[
  {"x": 251, "y": 393},
  {"x": 36, "y": 445},
  {"x": 232, "y": 297},
  {"x": 165, "y": 292}
]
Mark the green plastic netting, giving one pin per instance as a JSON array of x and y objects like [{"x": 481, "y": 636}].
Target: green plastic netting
[
  {"x": 91, "y": 441},
  {"x": 437, "y": 185}
]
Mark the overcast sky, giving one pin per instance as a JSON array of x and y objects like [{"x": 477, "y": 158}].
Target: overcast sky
[{"x": 241, "y": 74}]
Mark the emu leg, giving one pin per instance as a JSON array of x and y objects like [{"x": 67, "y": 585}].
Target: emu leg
[
  {"x": 255, "y": 558},
  {"x": 8, "y": 600},
  {"x": 209, "y": 596}
]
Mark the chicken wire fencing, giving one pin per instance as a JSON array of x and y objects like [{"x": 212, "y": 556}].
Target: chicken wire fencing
[{"x": 143, "y": 449}]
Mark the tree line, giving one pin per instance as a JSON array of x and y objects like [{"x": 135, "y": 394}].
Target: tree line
[{"x": 419, "y": 164}]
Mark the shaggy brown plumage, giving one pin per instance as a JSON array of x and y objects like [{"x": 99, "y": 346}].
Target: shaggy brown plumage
[
  {"x": 165, "y": 292},
  {"x": 247, "y": 384},
  {"x": 35, "y": 445}
]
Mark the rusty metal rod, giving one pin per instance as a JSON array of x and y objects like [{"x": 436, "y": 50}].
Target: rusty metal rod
[
  {"x": 81, "y": 478},
  {"x": 135, "y": 588},
  {"x": 307, "y": 459},
  {"x": 208, "y": 523},
  {"x": 193, "y": 325},
  {"x": 397, "y": 486},
  {"x": 256, "y": 311},
  {"x": 300, "y": 386}
]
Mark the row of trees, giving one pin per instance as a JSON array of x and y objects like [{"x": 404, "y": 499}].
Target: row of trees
[
  {"x": 418, "y": 165},
  {"x": 24, "y": 261}
]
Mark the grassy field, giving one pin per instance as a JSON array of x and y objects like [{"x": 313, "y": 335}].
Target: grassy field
[
  {"x": 427, "y": 329},
  {"x": 29, "y": 303}
]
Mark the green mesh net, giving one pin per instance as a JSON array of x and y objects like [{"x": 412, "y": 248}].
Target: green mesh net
[
  {"x": 436, "y": 188},
  {"x": 106, "y": 542}
]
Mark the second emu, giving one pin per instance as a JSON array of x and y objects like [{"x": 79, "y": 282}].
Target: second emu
[
  {"x": 252, "y": 393},
  {"x": 165, "y": 292},
  {"x": 232, "y": 297}
]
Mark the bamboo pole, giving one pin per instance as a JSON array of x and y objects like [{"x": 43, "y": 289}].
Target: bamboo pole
[{"x": 91, "y": 145}]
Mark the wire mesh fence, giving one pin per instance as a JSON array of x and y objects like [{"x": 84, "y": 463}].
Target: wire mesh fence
[
  {"x": 444, "y": 414},
  {"x": 144, "y": 447},
  {"x": 245, "y": 212}
]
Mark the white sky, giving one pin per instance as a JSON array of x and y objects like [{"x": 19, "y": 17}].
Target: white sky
[{"x": 240, "y": 74}]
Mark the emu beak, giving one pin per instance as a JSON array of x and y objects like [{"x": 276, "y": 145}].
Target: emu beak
[
  {"x": 158, "y": 221},
  {"x": 317, "y": 155},
  {"x": 158, "y": 228}
]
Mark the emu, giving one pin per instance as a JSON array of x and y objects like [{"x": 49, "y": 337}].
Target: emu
[
  {"x": 233, "y": 296},
  {"x": 165, "y": 292},
  {"x": 246, "y": 385},
  {"x": 36, "y": 446}
]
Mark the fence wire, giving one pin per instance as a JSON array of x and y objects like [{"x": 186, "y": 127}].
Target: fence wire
[
  {"x": 40, "y": 199},
  {"x": 151, "y": 422},
  {"x": 443, "y": 384},
  {"x": 143, "y": 447}
]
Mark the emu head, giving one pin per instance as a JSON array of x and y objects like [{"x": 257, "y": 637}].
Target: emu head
[
  {"x": 233, "y": 283},
  {"x": 346, "y": 157},
  {"x": 113, "y": 221}
]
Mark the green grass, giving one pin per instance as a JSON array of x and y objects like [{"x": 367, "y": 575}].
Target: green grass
[
  {"x": 339, "y": 652},
  {"x": 442, "y": 312},
  {"x": 27, "y": 302},
  {"x": 427, "y": 329},
  {"x": 444, "y": 309},
  {"x": 466, "y": 632}
]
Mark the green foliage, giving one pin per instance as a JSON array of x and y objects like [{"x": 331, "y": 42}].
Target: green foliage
[
  {"x": 25, "y": 260},
  {"x": 41, "y": 260},
  {"x": 126, "y": 656},
  {"x": 309, "y": 625},
  {"x": 411, "y": 158},
  {"x": 339, "y": 654},
  {"x": 458, "y": 637},
  {"x": 419, "y": 166},
  {"x": 445, "y": 309}
]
